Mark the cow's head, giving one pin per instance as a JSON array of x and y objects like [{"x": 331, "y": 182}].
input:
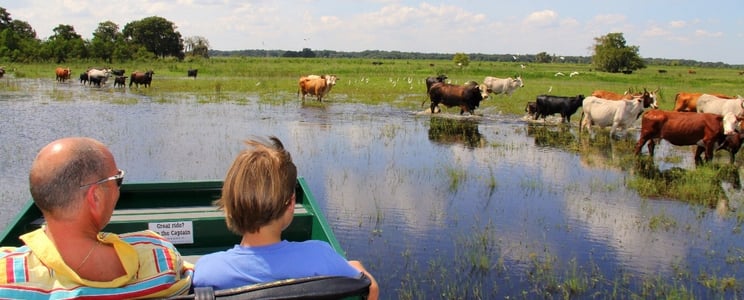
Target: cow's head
[
  {"x": 331, "y": 80},
  {"x": 518, "y": 82}
]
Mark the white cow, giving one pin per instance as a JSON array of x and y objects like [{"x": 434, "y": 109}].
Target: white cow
[
  {"x": 720, "y": 106},
  {"x": 620, "y": 114},
  {"x": 98, "y": 76},
  {"x": 503, "y": 86}
]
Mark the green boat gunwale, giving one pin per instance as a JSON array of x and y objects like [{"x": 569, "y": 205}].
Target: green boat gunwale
[{"x": 168, "y": 202}]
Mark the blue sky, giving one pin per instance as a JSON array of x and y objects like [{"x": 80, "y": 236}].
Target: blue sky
[{"x": 700, "y": 30}]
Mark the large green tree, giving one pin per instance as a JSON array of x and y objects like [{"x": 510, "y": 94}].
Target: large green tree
[
  {"x": 157, "y": 35},
  {"x": 18, "y": 40},
  {"x": 461, "y": 59},
  {"x": 611, "y": 54},
  {"x": 105, "y": 39},
  {"x": 64, "y": 44}
]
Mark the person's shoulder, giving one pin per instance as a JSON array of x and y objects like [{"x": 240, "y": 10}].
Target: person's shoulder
[{"x": 145, "y": 237}]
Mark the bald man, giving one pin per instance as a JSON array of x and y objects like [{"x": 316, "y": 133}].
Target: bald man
[{"x": 75, "y": 183}]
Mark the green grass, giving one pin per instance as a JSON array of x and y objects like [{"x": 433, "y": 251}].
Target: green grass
[{"x": 399, "y": 82}]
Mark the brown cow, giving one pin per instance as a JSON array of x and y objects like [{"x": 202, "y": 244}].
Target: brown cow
[
  {"x": 467, "y": 97},
  {"x": 62, "y": 73},
  {"x": 2, "y": 71},
  {"x": 318, "y": 86},
  {"x": 683, "y": 128},
  {"x": 138, "y": 78},
  {"x": 120, "y": 81},
  {"x": 649, "y": 98},
  {"x": 688, "y": 101}
]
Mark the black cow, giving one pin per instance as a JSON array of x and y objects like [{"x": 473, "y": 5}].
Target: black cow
[
  {"x": 566, "y": 106},
  {"x": 84, "y": 78},
  {"x": 120, "y": 81},
  {"x": 118, "y": 72},
  {"x": 531, "y": 108},
  {"x": 192, "y": 73},
  {"x": 432, "y": 80},
  {"x": 467, "y": 97},
  {"x": 2, "y": 72},
  {"x": 141, "y": 78}
]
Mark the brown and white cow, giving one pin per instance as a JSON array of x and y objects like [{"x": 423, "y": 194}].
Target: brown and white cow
[
  {"x": 316, "y": 85},
  {"x": 684, "y": 101},
  {"x": 62, "y": 73},
  {"x": 686, "y": 128}
]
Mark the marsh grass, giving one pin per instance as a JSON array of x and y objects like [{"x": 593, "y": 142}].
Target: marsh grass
[{"x": 362, "y": 82}]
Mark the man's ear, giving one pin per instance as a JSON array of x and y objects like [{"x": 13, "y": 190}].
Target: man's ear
[{"x": 93, "y": 202}]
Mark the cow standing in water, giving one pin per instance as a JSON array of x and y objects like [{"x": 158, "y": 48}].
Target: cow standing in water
[
  {"x": 707, "y": 131},
  {"x": 143, "y": 78},
  {"x": 505, "y": 86},
  {"x": 62, "y": 74},
  {"x": 467, "y": 97},
  {"x": 318, "y": 86}
]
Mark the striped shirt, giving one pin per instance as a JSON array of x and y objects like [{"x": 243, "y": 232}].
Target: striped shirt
[{"x": 154, "y": 269}]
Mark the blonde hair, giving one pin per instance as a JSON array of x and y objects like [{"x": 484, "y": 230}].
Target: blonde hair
[{"x": 258, "y": 186}]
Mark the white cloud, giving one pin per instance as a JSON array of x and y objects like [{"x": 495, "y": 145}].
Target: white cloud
[
  {"x": 677, "y": 24},
  {"x": 541, "y": 18},
  {"x": 703, "y": 33},
  {"x": 655, "y": 32}
]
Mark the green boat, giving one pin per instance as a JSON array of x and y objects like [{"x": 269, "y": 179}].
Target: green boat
[{"x": 183, "y": 213}]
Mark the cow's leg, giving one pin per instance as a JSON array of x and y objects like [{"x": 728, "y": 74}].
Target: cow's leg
[
  {"x": 698, "y": 150},
  {"x": 709, "y": 146},
  {"x": 639, "y": 145},
  {"x": 433, "y": 106},
  {"x": 651, "y": 147}
]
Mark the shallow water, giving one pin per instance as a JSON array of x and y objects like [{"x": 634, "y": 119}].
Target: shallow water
[{"x": 435, "y": 206}]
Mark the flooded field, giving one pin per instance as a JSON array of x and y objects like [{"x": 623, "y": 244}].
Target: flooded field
[{"x": 441, "y": 206}]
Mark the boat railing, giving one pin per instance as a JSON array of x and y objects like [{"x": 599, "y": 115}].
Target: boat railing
[{"x": 315, "y": 287}]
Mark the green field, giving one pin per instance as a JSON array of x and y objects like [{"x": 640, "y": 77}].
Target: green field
[{"x": 400, "y": 82}]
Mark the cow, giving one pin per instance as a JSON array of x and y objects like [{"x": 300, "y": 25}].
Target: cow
[
  {"x": 98, "y": 76},
  {"x": 120, "y": 81},
  {"x": 118, "y": 72},
  {"x": 566, "y": 106},
  {"x": 649, "y": 98},
  {"x": 705, "y": 130},
  {"x": 192, "y": 73},
  {"x": 62, "y": 74},
  {"x": 84, "y": 78},
  {"x": 2, "y": 71},
  {"x": 684, "y": 101},
  {"x": 619, "y": 114},
  {"x": 143, "y": 78},
  {"x": 505, "y": 86},
  {"x": 432, "y": 80},
  {"x": 531, "y": 108},
  {"x": 318, "y": 86},
  {"x": 467, "y": 97},
  {"x": 482, "y": 87},
  {"x": 721, "y": 106}
]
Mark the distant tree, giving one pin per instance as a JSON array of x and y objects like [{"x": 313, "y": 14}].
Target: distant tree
[
  {"x": 612, "y": 55},
  {"x": 543, "y": 57},
  {"x": 105, "y": 40},
  {"x": 64, "y": 43},
  {"x": 307, "y": 53},
  {"x": 461, "y": 59},
  {"x": 157, "y": 35},
  {"x": 196, "y": 46}
]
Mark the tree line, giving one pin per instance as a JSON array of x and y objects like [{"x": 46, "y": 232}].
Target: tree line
[
  {"x": 149, "y": 38},
  {"x": 156, "y": 37}
]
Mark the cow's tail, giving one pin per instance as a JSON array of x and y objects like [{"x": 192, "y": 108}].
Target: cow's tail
[{"x": 581, "y": 120}]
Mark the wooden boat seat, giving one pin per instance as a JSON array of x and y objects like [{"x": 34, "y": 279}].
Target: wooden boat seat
[{"x": 316, "y": 287}]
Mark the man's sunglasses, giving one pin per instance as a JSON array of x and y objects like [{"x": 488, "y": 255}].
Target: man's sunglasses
[{"x": 119, "y": 177}]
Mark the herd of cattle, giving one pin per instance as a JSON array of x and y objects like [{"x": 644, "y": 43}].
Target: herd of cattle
[
  {"x": 99, "y": 76},
  {"x": 708, "y": 121}
]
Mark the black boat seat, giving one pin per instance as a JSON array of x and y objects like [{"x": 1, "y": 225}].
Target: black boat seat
[{"x": 315, "y": 287}]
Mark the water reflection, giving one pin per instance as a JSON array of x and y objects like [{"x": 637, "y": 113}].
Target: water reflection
[
  {"x": 560, "y": 137},
  {"x": 448, "y": 131},
  {"x": 409, "y": 195}
]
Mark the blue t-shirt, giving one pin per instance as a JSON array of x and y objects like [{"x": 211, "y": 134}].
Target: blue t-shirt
[{"x": 241, "y": 265}]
